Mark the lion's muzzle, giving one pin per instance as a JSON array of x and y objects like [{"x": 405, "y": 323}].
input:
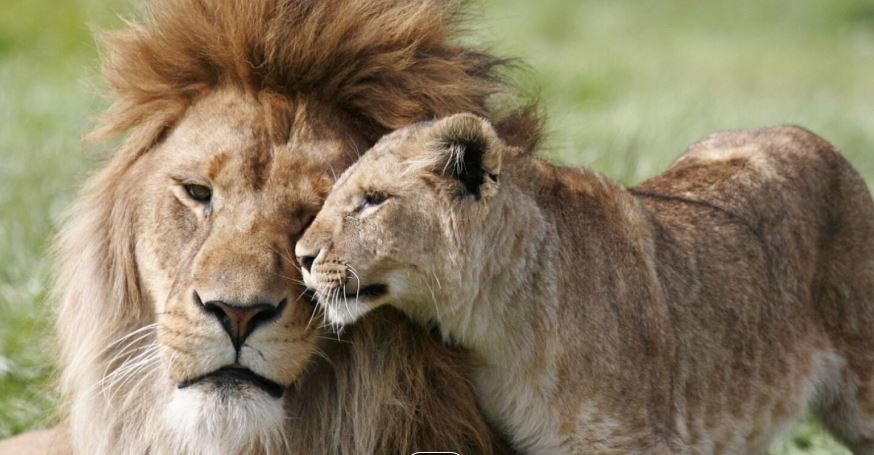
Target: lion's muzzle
[{"x": 239, "y": 321}]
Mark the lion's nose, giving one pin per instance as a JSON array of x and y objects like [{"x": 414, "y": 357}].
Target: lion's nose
[{"x": 240, "y": 320}]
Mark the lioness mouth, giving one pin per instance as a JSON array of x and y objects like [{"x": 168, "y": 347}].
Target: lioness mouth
[
  {"x": 235, "y": 375},
  {"x": 368, "y": 292}
]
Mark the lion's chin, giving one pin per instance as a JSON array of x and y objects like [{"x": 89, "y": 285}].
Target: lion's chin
[
  {"x": 206, "y": 420},
  {"x": 231, "y": 380}
]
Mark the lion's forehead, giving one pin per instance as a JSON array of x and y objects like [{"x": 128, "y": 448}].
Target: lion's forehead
[
  {"x": 256, "y": 179},
  {"x": 231, "y": 137}
]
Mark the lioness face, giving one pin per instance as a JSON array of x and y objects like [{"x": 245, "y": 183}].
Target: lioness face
[
  {"x": 221, "y": 207},
  {"x": 399, "y": 225}
]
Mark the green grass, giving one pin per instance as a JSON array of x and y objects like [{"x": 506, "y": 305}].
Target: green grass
[
  {"x": 47, "y": 62},
  {"x": 626, "y": 84}
]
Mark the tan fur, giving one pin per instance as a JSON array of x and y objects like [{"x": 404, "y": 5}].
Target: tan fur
[
  {"x": 698, "y": 313},
  {"x": 264, "y": 101}
]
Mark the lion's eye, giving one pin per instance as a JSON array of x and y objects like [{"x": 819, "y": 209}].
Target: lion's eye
[{"x": 199, "y": 193}]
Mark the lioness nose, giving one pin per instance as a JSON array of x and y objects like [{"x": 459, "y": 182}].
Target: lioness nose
[
  {"x": 240, "y": 320},
  {"x": 305, "y": 257},
  {"x": 306, "y": 262}
]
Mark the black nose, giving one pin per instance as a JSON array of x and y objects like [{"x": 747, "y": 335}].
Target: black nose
[
  {"x": 306, "y": 262},
  {"x": 239, "y": 321}
]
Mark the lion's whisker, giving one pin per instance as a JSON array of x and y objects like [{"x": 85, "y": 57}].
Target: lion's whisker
[
  {"x": 138, "y": 331},
  {"x": 132, "y": 333},
  {"x": 129, "y": 368},
  {"x": 321, "y": 354},
  {"x": 126, "y": 350},
  {"x": 283, "y": 255},
  {"x": 131, "y": 373},
  {"x": 294, "y": 280},
  {"x": 147, "y": 375},
  {"x": 132, "y": 363},
  {"x": 333, "y": 172},
  {"x": 433, "y": 297}
]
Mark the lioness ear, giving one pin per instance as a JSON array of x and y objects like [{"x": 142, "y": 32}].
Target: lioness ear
[{"x": 467, "y": 148}]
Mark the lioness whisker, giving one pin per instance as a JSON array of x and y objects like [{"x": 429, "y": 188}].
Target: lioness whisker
[
  {"x": 346, "y": 300},
  {"x": 357, "y": 278},
  {"x": 337, "y": 327}
]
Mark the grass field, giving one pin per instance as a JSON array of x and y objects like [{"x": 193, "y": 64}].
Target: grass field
[{"x": 626, "y": 84}]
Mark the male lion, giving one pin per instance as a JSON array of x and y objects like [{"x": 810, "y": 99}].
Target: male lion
[
  {"x": 182, "y": 323},
  {"x": 697, "y": 313}
]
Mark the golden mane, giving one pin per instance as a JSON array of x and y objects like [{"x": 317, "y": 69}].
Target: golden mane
[{"x": 386, "y": 64}]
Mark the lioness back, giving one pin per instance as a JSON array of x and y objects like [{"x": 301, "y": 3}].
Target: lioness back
[
  {"x": 764, "y": 250},
  {"x": 700, "y": 312}
]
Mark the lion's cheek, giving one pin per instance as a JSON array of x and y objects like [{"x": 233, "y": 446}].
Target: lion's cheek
[
  {"x": 191, "y": 351},
  {"x": 157, "y": 281},
  {"x": 280, "y": 352},
  {"x": 283, "y": 362}
]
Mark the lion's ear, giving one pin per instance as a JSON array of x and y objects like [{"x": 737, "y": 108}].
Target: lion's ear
[{"x": 467, "y": 148}]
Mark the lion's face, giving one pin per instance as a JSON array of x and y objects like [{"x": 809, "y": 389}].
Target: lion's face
[
  {"x": 399, "y": 224},
  {"x": 220, "y": 208}
]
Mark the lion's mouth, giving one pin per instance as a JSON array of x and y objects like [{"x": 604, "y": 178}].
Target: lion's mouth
[{"x": 234, "y": 376}]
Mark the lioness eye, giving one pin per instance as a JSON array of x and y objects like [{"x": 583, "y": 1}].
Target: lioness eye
[
  {"x": 374, "y": 199},
  {"x": 199, "y": 193}
]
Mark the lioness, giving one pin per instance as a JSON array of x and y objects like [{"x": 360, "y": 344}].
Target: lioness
[{"x": 697, "y": 313}]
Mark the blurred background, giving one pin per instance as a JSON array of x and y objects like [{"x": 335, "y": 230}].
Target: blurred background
[{"x": 626, "y": 85}]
